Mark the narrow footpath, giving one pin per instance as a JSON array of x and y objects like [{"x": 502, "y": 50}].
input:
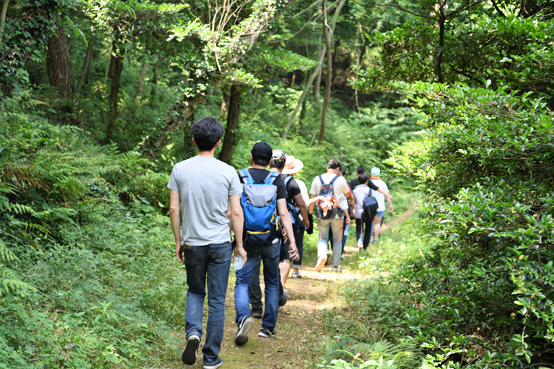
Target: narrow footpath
[{"x": 299, "y": 342}]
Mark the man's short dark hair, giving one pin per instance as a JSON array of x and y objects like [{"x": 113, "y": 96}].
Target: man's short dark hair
[
  {"x": 343, "y": 172},
  {"x": 207, "y": 131},
  {"x": 360, "y": 170},
  {"x": 334, "y": 164},
  {"x": 363, "y": 178}
]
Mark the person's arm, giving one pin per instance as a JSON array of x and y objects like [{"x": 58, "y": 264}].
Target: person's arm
[
  {"x": 312, "y": 202},
  {"x": 303, "y": 209},
  {"x": 375, "y": 188},
  {"x": 287, "y": 224},
  {"x": 237, "y": 224},
  {"x": 347, "y": 217},
  {"x": 391, "y": 209},
  {"x": 175, "y": 218}
]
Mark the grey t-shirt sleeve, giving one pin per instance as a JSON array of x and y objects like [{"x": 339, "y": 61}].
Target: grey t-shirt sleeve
[
  {"x": 172, "y": 184},
  {"x": 235, "y": 187}
]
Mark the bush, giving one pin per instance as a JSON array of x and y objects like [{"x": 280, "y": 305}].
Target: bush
[{"x": 489, "y": 167}]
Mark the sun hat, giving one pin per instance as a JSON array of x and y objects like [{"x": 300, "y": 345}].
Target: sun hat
[
  {"x": 292, "y": 165},
  {"x": 375, "y": 171}
]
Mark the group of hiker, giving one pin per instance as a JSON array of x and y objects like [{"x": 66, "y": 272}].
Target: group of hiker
[{"x": 268, "y": 211}]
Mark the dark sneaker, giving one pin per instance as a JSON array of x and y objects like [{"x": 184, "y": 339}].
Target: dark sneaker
[
  {"x": 191, "y": 350},
  {"x": 245, "y": 325},
  {"x": 258, "y": 314},
  {"x": 214, "y": 366},
  {"x": 267, "y": 332}
]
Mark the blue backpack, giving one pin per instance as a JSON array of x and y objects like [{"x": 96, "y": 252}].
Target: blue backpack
[{"x": 259, "y": 202}]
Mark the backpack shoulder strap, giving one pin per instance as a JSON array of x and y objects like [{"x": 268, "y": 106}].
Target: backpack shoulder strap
[
  {"x": 321, "y": 179},
  {"x": 334, "y": 179},
  {"x": 271, "y": 177},
  {"x": 245, "y": 176},
  {"x": 287, "y": 180}
]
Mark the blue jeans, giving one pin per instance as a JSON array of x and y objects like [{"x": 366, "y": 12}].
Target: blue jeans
[
  {"x": 214, "y": 261},
  {"x": 269, "y": 255},
  {"x": 335, "y": 224}
]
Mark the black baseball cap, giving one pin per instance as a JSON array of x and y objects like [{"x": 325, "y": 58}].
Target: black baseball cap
[{"x": 262, "y": 150}]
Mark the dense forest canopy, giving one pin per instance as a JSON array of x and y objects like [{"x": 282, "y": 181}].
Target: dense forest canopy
[{"x": 454, "y": 97}]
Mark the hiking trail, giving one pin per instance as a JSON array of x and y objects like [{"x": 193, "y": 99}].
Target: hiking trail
[{"x": 298, "y": 342}]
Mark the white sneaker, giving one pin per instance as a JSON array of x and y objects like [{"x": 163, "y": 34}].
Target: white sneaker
[
  {"x": 296, "y": 274},
  {"x": 320, "y": 264}
]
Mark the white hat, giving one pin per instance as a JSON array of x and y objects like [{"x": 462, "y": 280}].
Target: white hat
[{"x": 292, "y": 165}]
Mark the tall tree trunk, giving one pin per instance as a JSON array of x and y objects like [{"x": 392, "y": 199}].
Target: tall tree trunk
[
  {"x": 187, "y": 136},
  {"x": 362, "y": 51},
  {"x": 441, "y": 48},
  {"x": 304, "y": 94},
  {"x": 327, "y": 34},
  {"x": 140, "y": 84},
  {"x": 154, "y": 89},
  {"x": 60, "y": 70},
  {"x": 3, "y": 16},
  {"x": 85, "y": 70},
  {"x": 117, "y": 62},
  {"x": 317, "y": 82},
  {"x": 224, "y": 104},
  {"x": 232, "y": 124},
  {"x": 302, "y": 114},
  {"x": 313, "y": 76},
  {"x": 337, "y": 44}
]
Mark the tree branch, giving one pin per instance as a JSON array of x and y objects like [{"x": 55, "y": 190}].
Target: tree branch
[
  {"x": 498, "y": 9},
  {"x": 395, "y": 5}
]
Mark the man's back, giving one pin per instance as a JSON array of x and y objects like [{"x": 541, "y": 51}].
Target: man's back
[
  {"x": 339, "y": 186},
  {"x": 204, "y": 186}
]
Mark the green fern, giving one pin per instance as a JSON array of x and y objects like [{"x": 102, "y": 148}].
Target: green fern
[
  {"x": 9, "y": 280},
  {"x": 404, "y": 354}
]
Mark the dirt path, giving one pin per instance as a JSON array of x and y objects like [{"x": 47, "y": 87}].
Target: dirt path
[{"x": 300, "y": 339}]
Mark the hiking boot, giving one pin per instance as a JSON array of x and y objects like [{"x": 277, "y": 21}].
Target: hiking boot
[
  {"x": 296, "y": 274},
  {"x": 320, "y": 264},
  {"x": 216, "y": 365},
  {"x": 258, "y": 314},
  {"x": 266, "y": 332},
  {"x": 337, "y": 269},
  {"x": 190, "y": 353},
  {"x": 245, "y": 325}
]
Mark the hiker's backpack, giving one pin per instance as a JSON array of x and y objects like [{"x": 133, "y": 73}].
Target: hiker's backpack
[
  {"x": 327, "y": 208},
  {"x": 370, "y": 206},
  {"x": 259, "y": 201},
  {"x": 294, "y": 211}
]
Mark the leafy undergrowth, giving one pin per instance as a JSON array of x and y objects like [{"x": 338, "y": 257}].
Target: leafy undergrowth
[
  {"x": 88, "y": 277},
  {"x": 368, "y": 329}
]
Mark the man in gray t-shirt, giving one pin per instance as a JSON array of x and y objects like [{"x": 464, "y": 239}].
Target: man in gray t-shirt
[{"x": 207, "y": 191}]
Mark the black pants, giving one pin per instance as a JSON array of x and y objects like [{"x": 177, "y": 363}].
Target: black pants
[
  {"x": 367, "y": 232},
  {"x": 255, "y": 292}
]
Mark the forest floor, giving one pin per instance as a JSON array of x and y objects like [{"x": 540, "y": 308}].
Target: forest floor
[{"x": 300, "y": 339}]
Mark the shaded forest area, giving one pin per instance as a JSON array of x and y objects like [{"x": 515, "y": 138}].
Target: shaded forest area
[{"x": 96, "y": 103}]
